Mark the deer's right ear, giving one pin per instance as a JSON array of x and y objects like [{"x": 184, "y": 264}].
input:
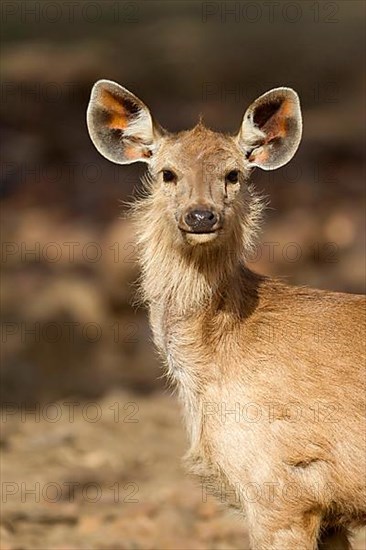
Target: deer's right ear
[{"x": 120, "y": 125}]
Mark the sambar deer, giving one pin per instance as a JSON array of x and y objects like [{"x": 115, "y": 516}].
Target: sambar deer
[{"x": 271, "y": 377}]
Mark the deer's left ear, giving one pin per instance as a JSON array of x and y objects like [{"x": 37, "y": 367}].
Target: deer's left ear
[
  {"x": 120, "y": 125},
  {"x": 271, "y": 129}
]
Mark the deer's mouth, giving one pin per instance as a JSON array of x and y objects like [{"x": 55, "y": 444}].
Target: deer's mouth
[{"x": 199, "y": 237}]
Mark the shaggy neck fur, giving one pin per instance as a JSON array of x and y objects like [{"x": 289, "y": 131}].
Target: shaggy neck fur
[{"x": 188, "y": 277}]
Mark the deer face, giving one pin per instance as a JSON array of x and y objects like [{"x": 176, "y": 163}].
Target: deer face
[
  {"x": 199, "y": 173},
  {"x": 198, "y": 176}
]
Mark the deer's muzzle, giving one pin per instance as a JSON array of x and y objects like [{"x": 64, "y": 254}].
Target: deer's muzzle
[{"x": 201, "y": 221}]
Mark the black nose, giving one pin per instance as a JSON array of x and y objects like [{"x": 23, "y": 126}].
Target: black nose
[{"x": 200, "y": 221}]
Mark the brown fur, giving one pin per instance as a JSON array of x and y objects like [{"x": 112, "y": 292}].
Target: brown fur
[{"x": 271, "y": 377}]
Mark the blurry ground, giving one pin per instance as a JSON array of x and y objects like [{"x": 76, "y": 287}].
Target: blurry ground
[
  {"x": 115, "y": 483},
  {"x": 69, "y": 333}
]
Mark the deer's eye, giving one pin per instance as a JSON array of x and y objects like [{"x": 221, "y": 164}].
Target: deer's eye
[
  {"x": 169, "y": 176},
  {"x": 232, "y": 176}
]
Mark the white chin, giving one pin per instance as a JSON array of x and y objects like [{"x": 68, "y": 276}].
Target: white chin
[{"x": 200, "y": 238}]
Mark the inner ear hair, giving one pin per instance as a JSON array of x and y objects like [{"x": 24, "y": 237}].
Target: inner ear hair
[{"x": 262, "y": 113}]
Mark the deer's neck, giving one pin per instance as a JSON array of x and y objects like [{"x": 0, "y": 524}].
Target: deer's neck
[{"x": 184, "y": 280}]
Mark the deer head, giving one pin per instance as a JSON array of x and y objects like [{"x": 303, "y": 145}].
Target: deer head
[{"x": 198, "y": 177}]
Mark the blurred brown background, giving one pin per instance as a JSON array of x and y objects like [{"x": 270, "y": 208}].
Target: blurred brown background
[{"x": 91, "y": 437}]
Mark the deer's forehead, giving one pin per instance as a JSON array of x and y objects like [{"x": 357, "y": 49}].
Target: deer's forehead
[{"x": 195, "y": 150}]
